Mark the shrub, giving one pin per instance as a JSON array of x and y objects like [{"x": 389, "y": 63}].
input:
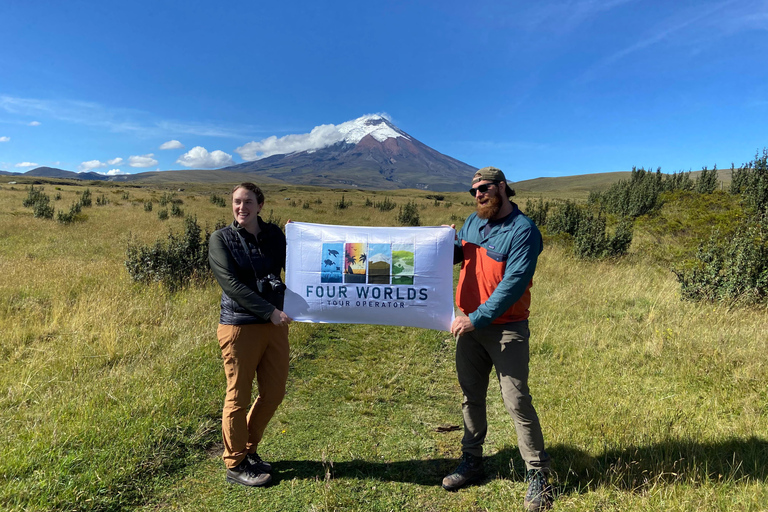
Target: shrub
[
  {"x": 592, "y": 242},
  {"x": 751, "y": 182},
  {"x": 85, "y": 198},
  {"x": 218, "y": 200},
  {"x": 147, "y": 206},
  {"x": 537, "y": 211},
  {"x": 176, "y": 211},
  {"x": 175, "y": 261},
  {"x": 386, "y": 205},
  {"x": 39, "y": 202},
  {"x": 43, "y": 210},
  {"x": 102, "y": 200},
  {"x": 162, "y": 215},
  {"x": 732, "y": 268},
  {"x": 71, "y": 216},
  {"x": 168, "y": 198},
  {"x": 707, "y": 182},
  {"x": 564, "y": 218},
  {"x": 342, "y": 204},
  {"x": 409, "y": 214}
]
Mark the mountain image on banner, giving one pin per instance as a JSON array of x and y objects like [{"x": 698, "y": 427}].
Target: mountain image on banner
[{"x": 368, "y": 152}]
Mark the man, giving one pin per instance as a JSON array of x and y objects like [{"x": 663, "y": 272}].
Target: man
[{"x": 498, "y": 248}]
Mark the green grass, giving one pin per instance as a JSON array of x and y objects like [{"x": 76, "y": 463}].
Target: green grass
[{"x": 110, "y": 392}]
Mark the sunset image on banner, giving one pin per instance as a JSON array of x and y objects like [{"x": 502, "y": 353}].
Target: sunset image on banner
[{"x": 354, "y": 262}]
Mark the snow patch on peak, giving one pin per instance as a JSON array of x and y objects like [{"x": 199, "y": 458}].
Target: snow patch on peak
[
  {"x": 350, "y": 132},
  {"x": 375, "y": 125}
]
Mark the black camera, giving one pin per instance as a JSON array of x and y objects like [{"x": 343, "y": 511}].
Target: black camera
[{"x": 271, "y": 283}]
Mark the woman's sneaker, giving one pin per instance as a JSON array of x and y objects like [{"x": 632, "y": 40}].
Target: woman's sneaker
[
  {"x": 257, "y": 462},
  {"x": 245, "y": 474}
]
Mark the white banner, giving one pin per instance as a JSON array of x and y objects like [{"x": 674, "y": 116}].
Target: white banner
[{"x": 370, "y": 275}]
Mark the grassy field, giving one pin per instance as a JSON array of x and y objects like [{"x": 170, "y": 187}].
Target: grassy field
[{"x": 110, "y": 391}]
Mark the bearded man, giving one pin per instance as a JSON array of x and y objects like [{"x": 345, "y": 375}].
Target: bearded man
[{"x": 498, "y": 248}]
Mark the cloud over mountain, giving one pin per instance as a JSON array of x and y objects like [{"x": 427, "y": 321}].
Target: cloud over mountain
[{"x": 320, "y": 137}]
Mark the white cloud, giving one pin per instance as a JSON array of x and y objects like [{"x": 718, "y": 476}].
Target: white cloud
[
  {"x": 172, "y": 144},
  {"x": 114, "y": 172},
  {"x": 115, "y": 161},
  {"x": 200, "y": 158},
  {"x": 142, "y": 161},
  {"x": 91, "y": 165},
  {"x": 35, "y": 123},
  {"x": 27, "y": 164},
  {"x": 4, "y": 139}
]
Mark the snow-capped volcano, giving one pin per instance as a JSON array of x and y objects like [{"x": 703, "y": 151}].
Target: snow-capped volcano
[
  {"x": 351, "y": 132},
  {"x": 369, "y": 152}
]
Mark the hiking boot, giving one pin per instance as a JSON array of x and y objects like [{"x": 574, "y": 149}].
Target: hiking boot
[
  {"x": 539, "y": 494},
  {"x": 257, "y": 462},
  {"x": 245, "y": 474},
  {"x": 470, "y": 470}
]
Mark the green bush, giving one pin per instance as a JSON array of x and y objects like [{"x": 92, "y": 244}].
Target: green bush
[
  {"x": 168, "y": 198},
  {"x": 85, "y": 198},
  {"x": 751, "y": 182},
  {"x": 162, "y": 214},
  {"x": 592, "y": 242},
  {"x": 218, "y": 200},
  {"x": 102, "y": 200},
  {"x": 707, "y": 182},
  {"x": 386, "y": 205},
  {"x": 39, "y": 202},
  {"x": 176, "y": 211},
  {"x": 42, "y": 210},
  {"x": 537, "y": 211},
  {"x": 342, "y": 204},
  {"x": 175, "y": 261},
  {"x": 409, "y": 215},
  {"x": 147, "y": 206},
  {"x": 730, "y": 268},
  {"x": 72, "y": 216},
  {"x": 563, "y": 218}
]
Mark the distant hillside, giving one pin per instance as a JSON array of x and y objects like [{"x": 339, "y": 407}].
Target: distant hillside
[
  {"x": 52, "y": 172},
  {"x": 579, "y": 183},
  {"x": 196, "y": 176}
]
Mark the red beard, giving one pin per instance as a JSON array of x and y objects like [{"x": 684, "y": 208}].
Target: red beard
[{"x": 491, "y": 208}]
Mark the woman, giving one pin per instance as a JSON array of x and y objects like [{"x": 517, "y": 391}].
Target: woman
[{"x": 246, "y": 258}]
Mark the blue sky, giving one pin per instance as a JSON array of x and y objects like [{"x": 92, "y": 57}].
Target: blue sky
[{"x": 545, "y": 88}]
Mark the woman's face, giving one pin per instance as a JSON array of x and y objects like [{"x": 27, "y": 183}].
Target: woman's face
[{"x": 245, "y": 208}]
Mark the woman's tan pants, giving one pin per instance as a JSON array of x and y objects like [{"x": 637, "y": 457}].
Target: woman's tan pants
[{"x": 248, "y": 351}]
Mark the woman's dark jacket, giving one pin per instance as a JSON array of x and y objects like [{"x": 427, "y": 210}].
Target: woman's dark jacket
[{"x": 238, "y": 260}]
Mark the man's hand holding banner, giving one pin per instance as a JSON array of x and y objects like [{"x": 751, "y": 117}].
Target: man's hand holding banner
[{"x": 370, "y": 275}]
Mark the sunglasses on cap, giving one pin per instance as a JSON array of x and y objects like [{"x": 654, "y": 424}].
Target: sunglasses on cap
[{"x": 482, "y": 188}]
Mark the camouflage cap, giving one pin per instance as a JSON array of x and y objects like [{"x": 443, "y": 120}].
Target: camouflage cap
[{"x": 492, "y": 174}]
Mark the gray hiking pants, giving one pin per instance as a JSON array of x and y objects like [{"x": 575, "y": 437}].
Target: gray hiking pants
[{"x": 504, "y": 347}]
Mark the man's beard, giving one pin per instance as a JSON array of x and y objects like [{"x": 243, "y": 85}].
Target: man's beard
[{"x": 491, "y": 208}]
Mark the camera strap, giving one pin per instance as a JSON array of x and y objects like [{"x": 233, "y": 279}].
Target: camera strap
[{"x": 248, "y": 253}]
